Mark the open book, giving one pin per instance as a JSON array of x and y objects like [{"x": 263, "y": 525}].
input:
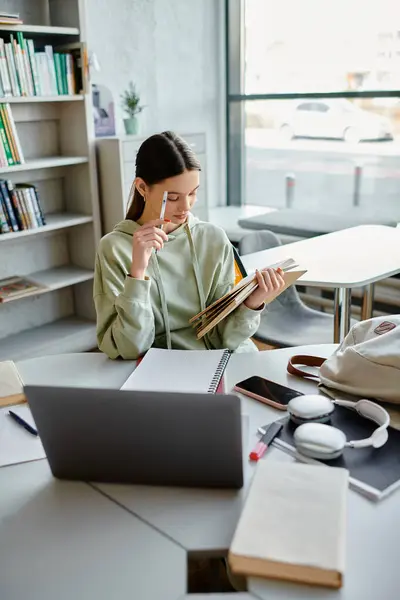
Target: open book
[{"x": 207, "y": 319}]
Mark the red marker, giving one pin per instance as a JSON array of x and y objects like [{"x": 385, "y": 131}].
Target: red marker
[{"x": 268, "y": 437}]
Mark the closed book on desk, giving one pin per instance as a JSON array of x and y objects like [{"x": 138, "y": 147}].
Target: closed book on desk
[
  {"x": 11, "y": 384},
  {"x": 293, "y": 525},
  {"x": 190, "y": 371}
]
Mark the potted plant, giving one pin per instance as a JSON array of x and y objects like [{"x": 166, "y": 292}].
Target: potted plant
[{"x": 130, "y": 104}]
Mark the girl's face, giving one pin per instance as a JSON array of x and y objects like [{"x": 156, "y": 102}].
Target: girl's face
[{"x": 182, "y": 190}]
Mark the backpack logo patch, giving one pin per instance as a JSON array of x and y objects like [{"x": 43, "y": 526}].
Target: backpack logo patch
[{"x": 384, "y": 327}]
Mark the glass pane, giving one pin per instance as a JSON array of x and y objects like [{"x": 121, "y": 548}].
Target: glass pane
[
  {"x": 321, "y": 46},
  {"x": 323, "y": 154}
]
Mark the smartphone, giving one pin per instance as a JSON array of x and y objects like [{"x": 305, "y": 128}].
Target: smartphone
[{"x": 267, "y": 391}]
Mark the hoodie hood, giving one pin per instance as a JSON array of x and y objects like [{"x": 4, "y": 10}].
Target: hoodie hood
[{"x": 129, "y": 227}]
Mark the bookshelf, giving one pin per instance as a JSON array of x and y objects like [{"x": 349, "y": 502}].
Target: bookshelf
[
  {"x": 56, "y": 135},
  {"x": 45, "y": 163},
  {"x": 66, "y": 98},
  {"x": 40, "y": 29}
]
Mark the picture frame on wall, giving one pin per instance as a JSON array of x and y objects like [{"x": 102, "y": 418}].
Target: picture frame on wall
[{"x": 103, "y": 111}]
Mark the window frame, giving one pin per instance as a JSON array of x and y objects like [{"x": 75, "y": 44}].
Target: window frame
[{"x": 236, "y": 99}]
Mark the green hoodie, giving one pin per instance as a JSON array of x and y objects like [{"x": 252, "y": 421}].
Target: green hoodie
[{"x": 194, "y": 268}]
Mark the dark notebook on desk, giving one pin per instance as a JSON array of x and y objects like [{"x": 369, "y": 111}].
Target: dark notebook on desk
[{"x": 374, "y": 472}]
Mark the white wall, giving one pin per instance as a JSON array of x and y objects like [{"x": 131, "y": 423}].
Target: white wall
[{"x": 173, "y": 51}]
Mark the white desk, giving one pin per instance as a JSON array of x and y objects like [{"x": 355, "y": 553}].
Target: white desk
[
  {"x": 62, "y": 540},
  {"x": 355, "y": 257},
  {"x": 106, "y": 546},
  {"x": 86, "y": 369}
]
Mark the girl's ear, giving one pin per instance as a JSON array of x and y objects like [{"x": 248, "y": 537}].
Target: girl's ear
[{"x": 141, "y": 187}]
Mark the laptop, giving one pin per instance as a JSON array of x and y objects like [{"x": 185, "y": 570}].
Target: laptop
[{"x": 151, "y": 438}]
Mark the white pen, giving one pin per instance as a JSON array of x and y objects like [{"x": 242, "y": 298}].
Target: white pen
[{"x": 163, "y": 206}]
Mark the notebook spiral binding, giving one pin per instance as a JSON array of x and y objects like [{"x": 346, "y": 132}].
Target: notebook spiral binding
[{"x": 219, "y": 372}]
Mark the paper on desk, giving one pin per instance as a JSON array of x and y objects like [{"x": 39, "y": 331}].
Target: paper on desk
[{"x": 16, "y": 444}]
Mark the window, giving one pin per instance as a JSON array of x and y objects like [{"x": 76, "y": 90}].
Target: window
[{"x": 313, "y": 92}]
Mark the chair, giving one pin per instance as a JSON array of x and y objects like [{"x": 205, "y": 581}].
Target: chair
[
  {"x": 287, "y": 321},
  {"x": 240, "y": 271}
]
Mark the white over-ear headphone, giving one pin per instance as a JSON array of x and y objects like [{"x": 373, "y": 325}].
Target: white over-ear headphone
[{"x": 315, "y": 439}]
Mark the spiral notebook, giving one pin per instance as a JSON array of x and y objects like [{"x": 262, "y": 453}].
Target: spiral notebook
[{"x": 190, "y": 371}]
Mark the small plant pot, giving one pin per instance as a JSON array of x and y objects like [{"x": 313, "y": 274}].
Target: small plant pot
[{"x": 131, "y": 125}]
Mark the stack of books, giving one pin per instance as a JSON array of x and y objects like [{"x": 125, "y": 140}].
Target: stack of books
[
  {"x": 7, "y": 18},
  {"x": 25, "y": 71},
  {"x": 10, "y": 147},
  {"x": 17, "y": 287},
  {"x": 20, "y": 207}
]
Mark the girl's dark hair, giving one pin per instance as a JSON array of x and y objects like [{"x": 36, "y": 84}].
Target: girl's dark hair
[{"x": 161, "y": 156}]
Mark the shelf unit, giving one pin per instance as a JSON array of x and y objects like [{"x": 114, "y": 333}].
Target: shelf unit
[
  {"x": 55, "y": 221},
  {"x": 58, "y": 142},
  {"x": 71, "y": 333},
  {"x": 45, "y": 163},
  {"x": 35, "y": 30},
  {"x": 19, "y": 99}
]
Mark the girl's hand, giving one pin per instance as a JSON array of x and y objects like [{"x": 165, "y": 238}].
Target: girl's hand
[
  {"x": 270, "y": 282},
  {"x": 146, "y": 238}
]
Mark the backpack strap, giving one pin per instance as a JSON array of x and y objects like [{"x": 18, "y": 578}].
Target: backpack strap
[{"x": 308, "y": 361}]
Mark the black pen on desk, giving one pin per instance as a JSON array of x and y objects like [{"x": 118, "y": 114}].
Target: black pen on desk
[
  {"x": 23, "y": 423},
  {"x": 268, "y": 436}
]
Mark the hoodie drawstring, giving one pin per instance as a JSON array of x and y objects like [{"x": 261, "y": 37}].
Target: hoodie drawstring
[
  {"x": 164, "y": 307},
  {"x": 197, "y": 275},
  {"x": 199, "y": 283}
]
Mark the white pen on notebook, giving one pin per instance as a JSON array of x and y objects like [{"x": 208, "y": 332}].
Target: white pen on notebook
[{"x": 163, "y": 206}]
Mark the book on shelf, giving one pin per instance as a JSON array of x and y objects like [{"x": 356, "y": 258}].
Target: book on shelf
[
  {"x": 209, "y": 318},
  {"x": 27, "y": 69},
  {"x": 20, "y": 207},
  {"x": 7, "y": 18},
  {"x": 13, "y": 288},
  {"x": 10, "y": 146}
]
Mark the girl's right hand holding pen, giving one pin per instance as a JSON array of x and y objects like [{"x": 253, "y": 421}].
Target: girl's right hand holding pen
[{"x": 149, "y": 236}]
